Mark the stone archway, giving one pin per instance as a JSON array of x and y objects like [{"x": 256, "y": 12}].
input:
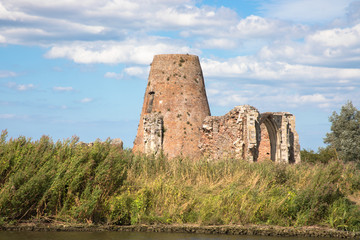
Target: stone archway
[{"x": 270, "y": 139}]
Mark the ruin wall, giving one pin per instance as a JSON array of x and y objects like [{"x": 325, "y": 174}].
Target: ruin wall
[
  {"x": 176, "y": 90},
  {"x": 175, "y": 120},
  {"x": 233, "y": 135}
]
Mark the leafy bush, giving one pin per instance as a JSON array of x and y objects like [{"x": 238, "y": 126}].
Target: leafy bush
[{"x": 323, "y": 155}]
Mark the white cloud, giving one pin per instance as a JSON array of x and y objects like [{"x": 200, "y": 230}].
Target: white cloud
[
  {"x": 137, "y": 71},
  {"x": 5, "y": 74},
  {"x": 7, "y": 116},
  {"x": 221, "y": 43},
  {"x": 20, "y": 87},
  {"x": 337, "y": 37},
  {"x": 18, "y": 32},
  {"x": 249, "y": 67},
  {"x": 314, "y": 98},
  {"x": 353, "y": 14},
  {"x": 273, "y": 96},
  {"x": 114, "y": 75},
  {"x": 191, "y": 16},
  {"x": 343, "y": 81},
  {"x": 331, "y": 47},
  {"x": 140, "y": 72},
  {"x": 306, "y": 10},
  {"x": 59, "y": 107},
  {"x": 131, "y": 51},
  {"x": 230, "y": 98},
  {"x": 259, "y": 27},
  {"x": 2, "y": 39},
  {"x": 212, "y": 91},
  {"x": 255, "y": 26},
  {"x": 103, "y": 20},
  {"x": 266, "y": 82},
  {"x": 246, "y": 30},
  {"x": 63, "y": 89},
  {"x": 24, "y": 87},
  {"x": 5, "y": 14},
  {"x": 34, "y": 24},
  {"x": 281, "y": 46},
  {"x": 86, "y": 100}
]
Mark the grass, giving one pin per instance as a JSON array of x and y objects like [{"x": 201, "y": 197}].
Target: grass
[{"x": 102, "y": 183}]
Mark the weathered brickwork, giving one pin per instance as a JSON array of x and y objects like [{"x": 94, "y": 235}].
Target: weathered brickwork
[
  {"x": 231, "y": 135},
  {"x": 265, "y": 144},
  {"x": 176, "y": 90},
  {"x": 175, "y": 120}
]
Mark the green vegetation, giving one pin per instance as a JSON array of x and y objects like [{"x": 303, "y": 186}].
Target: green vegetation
[
  {"x": 73, "y": 182},
  {"x": 345, "y": 133},
  {"x": 343, "y": 140},
  {"x": 323, "y": 155}
]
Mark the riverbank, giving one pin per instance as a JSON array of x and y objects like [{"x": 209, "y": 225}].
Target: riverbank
[{"x": 259, "y": 230}]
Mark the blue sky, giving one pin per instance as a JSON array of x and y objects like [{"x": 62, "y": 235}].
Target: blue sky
[{"x": 80, "y": 67}]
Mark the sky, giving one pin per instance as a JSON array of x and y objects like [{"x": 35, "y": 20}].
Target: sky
[{"x": 72, "y": 67}]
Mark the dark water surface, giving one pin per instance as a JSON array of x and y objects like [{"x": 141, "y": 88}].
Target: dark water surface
[{"x": 133, "y": 236}]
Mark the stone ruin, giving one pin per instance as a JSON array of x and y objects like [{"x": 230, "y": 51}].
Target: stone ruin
[
  {"x": 245, "y": 133},
  {"x": 176, "y": 120}
]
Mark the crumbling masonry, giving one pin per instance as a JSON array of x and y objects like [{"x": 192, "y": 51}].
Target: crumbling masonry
[{"x": 176, "y": 120}]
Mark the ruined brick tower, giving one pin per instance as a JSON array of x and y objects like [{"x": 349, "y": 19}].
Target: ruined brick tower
[
  {"x": 175, "y": 105},
  {"x": 175, "y": 119}
]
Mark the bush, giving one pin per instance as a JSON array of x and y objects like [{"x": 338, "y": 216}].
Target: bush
[{"x": 323, "y": 155}]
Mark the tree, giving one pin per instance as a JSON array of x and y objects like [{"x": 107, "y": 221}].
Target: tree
[
  {"x": 345, "y": 133},
  {"x": 323, "y": 155}
]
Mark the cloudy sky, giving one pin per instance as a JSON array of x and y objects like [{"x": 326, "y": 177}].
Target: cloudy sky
[{"x": 72, "y": 67}]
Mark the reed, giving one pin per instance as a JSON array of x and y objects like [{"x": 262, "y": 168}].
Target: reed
[{"x": 68, "y": 181}]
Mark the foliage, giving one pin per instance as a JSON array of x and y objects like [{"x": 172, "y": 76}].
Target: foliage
[
  {"x": 64, "y": 178},
  {"x": 345, "y": 133},
  {"x": 69, "y": 181},
  {"x": 323, "y": 155}
]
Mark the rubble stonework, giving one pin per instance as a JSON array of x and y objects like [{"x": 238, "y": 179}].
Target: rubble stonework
[
  {"x": 279, "y": 139},
  {"x": 233, "y": 135},
  {"x": 153, "y": 133},
  {"x": 175, "y": 119},
  {"x": 284, "y": 140}
]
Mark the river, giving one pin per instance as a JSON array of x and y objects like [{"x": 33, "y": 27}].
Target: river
[{"x": 133, "y": 236}]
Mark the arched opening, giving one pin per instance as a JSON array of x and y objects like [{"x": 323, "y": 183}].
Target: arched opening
[
  {"x": 264, "y": 145},
  {"x": 269, "y": 143}
]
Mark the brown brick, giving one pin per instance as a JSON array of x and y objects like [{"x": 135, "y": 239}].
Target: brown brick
[{"x": 176, "y": 90}]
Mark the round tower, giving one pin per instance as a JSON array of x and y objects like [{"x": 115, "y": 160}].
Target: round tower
[{"x": 175, "y": 105}]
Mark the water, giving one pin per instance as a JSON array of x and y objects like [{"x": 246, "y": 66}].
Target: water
[{"x": 133, "y": 236}]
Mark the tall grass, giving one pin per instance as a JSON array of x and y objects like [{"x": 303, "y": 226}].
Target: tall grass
[{"x": 103, "y": 184}]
